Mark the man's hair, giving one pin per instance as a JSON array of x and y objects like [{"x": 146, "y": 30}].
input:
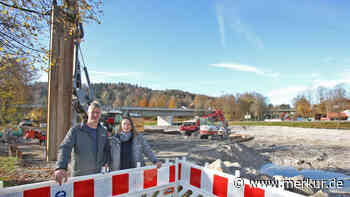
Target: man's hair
[{"x": 94, "y": 104}]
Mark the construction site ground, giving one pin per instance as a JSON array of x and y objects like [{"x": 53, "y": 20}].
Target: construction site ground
[{"x": 324, "y": 149}]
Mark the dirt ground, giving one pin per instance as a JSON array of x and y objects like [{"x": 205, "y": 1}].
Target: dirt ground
[
  {"x": 315, "y": 149},
  {"x": 324, "y": 149}
]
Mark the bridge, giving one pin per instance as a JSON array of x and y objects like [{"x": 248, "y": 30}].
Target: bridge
[
  {"x": 153, "y": 111},
  {"x": 165, "y": 116},
  {"x": 30, "y": 105},
  {"x": 141, "y": 111}
]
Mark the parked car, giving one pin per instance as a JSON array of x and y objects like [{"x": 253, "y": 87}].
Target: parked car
[
  {"x": 43, "y": 125},
  {"x": 25, "y": 123}
]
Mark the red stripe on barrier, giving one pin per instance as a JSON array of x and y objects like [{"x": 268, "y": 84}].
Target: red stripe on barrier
[
  {"x": 195, "y": 177},
  {"x": 171, "y": 174},
  {"x": 253, "y": 191},
  {"x": 179, "y": 172},
  {"x": 220, "y": 186},
  {"x": 120, "y": 184},
  {"x": 149, "y": 178},
  {"x": 84, "y": 188},
  {"x": 42, "y": 192}
]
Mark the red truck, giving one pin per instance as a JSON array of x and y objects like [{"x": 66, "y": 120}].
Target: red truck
[
  {"x": 205, "y": 125},
  {"x": 188, "y": 127},
  {"x": 335, "y": 116}
]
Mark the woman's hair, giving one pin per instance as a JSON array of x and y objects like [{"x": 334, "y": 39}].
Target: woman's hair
[{"x": 133, "y": 130}]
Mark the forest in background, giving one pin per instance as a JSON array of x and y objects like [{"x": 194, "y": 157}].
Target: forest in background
[
  {"x": 307, "y": 103},
  {"x": 18, "y": 86},
  {"x": 21, "y": 54}
]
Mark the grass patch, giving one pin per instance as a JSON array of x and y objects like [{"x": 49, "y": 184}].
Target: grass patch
[
  {"x": 7, "y": 166},
  {"x": 150, "y": 122},
  {"x": 315, "y": 124}
]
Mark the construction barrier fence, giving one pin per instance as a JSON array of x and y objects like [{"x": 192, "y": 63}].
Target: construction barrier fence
[{"x": 179, "y": 178}]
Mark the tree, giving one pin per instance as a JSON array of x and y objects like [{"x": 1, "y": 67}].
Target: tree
[
  {"x": 245, "y": 102},
  {"x": 200, "y": 101},
  {"x": 302, "y": 106},
  {"x": 228, "y": 106},
  {"x": 105, "y": 97},
  {"x": 130, "y": 101},
  {"x": 259, "y": 105},
  {"x": 143, "y": 102},
  {"x": 187, "y": 101},
  {"x": 118, "y": 102},
  {"x": 339, "y": 98},
  {"x": 163, "y": 100},
  {"x": 154, "y": 100},
  {"x": 309, "y": 95},
  {"x": 38, "y": 114},
  {"x": 24, "y": 22},
  {"x": 14, "y": 87},
  {"x": 172, "y": 102}
]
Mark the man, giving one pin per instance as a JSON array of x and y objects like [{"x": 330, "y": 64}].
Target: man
[{"x": 89, "y": 144}]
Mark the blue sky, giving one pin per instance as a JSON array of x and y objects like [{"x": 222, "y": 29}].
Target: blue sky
[{"x": 213, "y": 47}]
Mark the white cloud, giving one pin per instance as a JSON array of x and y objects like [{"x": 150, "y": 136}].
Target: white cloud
[
  {"x": 315, "y": 75},
  {"x": 329, "y": 83},
  {"x": 285, "y": 95},
  {"x": 226, "y": 14},
  {"x": 221, "y": 23},
  {"x": 249, "y": 35},
  {"x": 245, "y": 68},
  {"x": 239, "y": 67}
]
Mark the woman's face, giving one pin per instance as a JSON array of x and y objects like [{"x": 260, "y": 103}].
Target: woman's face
[{"x": 126, "y": 126}]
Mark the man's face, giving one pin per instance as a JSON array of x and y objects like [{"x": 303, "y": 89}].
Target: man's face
[{"x": 94, "y": 115}]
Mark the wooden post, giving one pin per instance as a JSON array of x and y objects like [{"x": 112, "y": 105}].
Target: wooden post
[{"x": 60, "y": 83}]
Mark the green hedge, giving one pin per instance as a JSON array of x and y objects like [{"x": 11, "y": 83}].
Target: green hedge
[{"x": 315, "y": 124}]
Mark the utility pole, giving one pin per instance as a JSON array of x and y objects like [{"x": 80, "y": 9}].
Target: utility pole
[{"x": 60, "y": 81}]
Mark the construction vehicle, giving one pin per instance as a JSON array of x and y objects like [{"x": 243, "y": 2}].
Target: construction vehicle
[
  {"x": 82, "y": 96},
  {"x": 207, "y": 126},
  {"x": 332, "y": 116},
  {"x": 112, "y": 120},
  {"x": 188, "y": 127}
]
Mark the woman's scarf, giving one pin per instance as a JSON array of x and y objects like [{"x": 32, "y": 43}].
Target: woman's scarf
[
  {"x": 125, "y": 136},
  {"x": 126, "y": 156}
]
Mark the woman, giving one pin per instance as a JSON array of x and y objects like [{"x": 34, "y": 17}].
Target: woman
[{"x": 128, "y": 147}]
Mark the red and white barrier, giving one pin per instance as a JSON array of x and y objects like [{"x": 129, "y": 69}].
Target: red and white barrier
[
  {"x": 197, "y": 180},
  {"x": 133, "y": 182},
  {"x": 171, "y": 180}
]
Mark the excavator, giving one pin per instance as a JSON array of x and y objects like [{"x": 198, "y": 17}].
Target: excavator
[
  {"x": 82, "y": 96},
  {"x": 206, "y": 126}
]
